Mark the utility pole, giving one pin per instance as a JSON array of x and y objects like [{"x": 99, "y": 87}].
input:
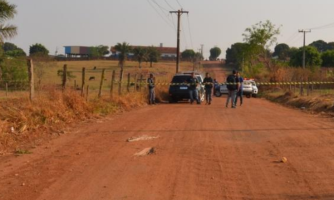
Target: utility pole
[
  {"x": 304, "y": 56},
  {"x": 202, "y": 47},
  {"x": 179, "y": 13}
]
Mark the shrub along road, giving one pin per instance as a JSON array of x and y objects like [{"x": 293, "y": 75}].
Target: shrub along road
[{"x": 200, "y": 152}]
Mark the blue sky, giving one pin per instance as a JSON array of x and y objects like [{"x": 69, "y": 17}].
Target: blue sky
[{"x": 56, "y": 23}]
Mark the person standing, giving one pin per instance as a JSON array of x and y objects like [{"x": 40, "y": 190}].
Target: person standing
[
  {"x": 240, "y": 90},
  {"x": 232, "y": 86},
  {"x": 208, "y": 84},
  {"x": 193, "y": 93},
  {"x": 151, "y": 86}
]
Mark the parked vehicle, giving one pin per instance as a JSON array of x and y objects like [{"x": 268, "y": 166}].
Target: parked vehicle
[
  {"x": 220, "y": 89},
  {"x": 179, "y": 89},
  {"x": 250, "y": 88}
]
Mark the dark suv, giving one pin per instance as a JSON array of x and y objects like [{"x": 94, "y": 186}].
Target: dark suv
[{"x": 179, "y": 89}]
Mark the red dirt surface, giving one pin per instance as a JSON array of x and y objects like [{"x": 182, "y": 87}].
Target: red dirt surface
[{"x": 202, "y": 153}]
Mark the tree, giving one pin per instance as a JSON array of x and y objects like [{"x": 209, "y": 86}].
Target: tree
[
  {"x": 292, "y": 51},
  {"x": 282, "y": 51},
  {"x": 38, "y": 50},
  {"x": 7, "y": 31},
  {"x": 14, "y": 71},
  {"x": 7, "y": 12},
  {"x": 328, "y": 58},
  {"x": 153, "y": 55},
  {"x": 320, "y": 45},
  {"x": 215, "y": 53},
  {"x": 123, "y": 50},
  {"x": 261, "y": 37},
  {"x": 313, "y": 57},
  {"x": 12, "y": 50},
  {"x": 141, "y": 54},
  {"x": 330, "y": 46},
  {"x": 103, "y": 50},
  {"x": 236, "y": 54},
  {"x": 188, "y": 54}
]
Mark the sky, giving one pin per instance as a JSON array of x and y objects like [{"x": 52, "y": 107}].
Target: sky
[{"x": 221, "y": 23}]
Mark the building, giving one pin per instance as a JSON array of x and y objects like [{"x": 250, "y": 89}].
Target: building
[
  {"x": 166, "y": 52},
  {"x": 77, "y": 51}
]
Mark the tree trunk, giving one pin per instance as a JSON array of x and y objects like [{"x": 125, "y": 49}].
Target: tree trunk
[{"x": 151, "y": 64}]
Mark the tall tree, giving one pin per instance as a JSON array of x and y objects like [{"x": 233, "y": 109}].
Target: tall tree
[
  {"x": 141, "y": 54},
  {"x": 153, "y": 55},
  {"x": 236, "y": 54},
  {"x": 7, "y": 12},
  {"x": 313, "y": 57},
  {"x": 328, "y": 58},
  {"x": 123, "y": 49},
  {"x": 321, "y": 45},
  {"x": 38, "y": 50},
  {"x": 261, "y": 36},
  {"x": 215, "y": 53},
  {"x": 12, "y": 50},
  {"x": 282, "y": 51},
  {"x": 188, "y": 54}
]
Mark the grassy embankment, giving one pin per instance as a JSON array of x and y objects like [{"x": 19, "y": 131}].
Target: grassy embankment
[{"x": 25, "y": 124}]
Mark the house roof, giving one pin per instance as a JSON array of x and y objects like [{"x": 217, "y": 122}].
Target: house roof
[{"x": 167, "y": 50}]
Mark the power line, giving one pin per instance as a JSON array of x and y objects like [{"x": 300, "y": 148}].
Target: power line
[
  {"x": 191, "y": 38},
  {"x": 179, "y": 3},
  {"x": 173, "y": 21},
  {"x": 184, "y": 35},
  {"x": 160, "y": 14},
  {"x": 323, "y": 27},
  {"x": 162, "y": 8},
  {"x": 169, "y": 5}
]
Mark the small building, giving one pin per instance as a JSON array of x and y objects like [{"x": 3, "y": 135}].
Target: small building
[
  {"x": 166, "y": 52},
  {"x": 77, "y": 51}
]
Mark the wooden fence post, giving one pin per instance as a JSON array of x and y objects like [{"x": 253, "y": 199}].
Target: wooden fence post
[
  {"x": 101, "y": 83},
  {"x": 75, "y": 84},
  {"x": 64, "y": 77},
  {"x": 128, "y": 87},
  {"x": 112, "y": 83},
  {"x": 140, "y": 82},
  {"x": 31, "y": 79},
  {"x": 83, "y": 81},
  {"x": 135, "y": 82},
  {"x": 120, "y": 82}
]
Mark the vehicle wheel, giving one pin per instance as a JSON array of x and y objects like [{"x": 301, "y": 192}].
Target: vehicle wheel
[
  {"x": 217, "y": 93},
  {"x": 248, "y": 95}
]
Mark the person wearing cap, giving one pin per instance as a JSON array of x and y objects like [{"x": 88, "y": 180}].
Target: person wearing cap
[
  {"x": 232, "y": 86},
  {"x": 208, "y": 84},
  {"x": 151, "y": 86}
]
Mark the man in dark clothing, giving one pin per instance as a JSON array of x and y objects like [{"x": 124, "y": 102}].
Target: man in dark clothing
[
  {"x": 193, "y": 93},
  {"x": 232, "y": 86},
  {"x": 208, "y": 83},
  {"x": 151, "y": 86},
  {"x": 240, "y": 91}
]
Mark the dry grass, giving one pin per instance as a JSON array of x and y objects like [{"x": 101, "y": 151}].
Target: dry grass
[{"x": 24, "y": 123}]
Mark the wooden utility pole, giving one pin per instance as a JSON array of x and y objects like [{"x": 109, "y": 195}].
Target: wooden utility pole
[
  {"x": 101, "y": 83},
  {"x": 304, "y": 56},
  {"x": 179, "y": 13},
  {"x": 64, "y": 77},
  {"x": 83, "y": 81},
  {"x": 112, "y": 83},
  {"x": 31, "y": 79}
]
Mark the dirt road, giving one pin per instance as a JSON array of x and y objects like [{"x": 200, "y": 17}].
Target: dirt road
[{"x": 202, "y": 153}]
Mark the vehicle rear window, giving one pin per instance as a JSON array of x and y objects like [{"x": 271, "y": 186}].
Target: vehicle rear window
[{"x": 180, "y": 79}]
